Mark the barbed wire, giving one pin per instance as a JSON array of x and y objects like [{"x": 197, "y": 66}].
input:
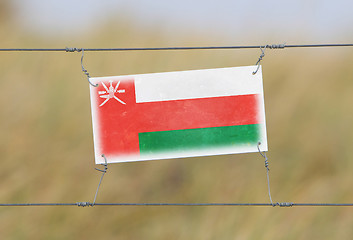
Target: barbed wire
[{"x": 271, "y": 46}]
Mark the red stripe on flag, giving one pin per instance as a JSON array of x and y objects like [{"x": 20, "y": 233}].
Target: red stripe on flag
[
  {"x": 119, "y": 124},
  {"x": 196, "y": 113}
]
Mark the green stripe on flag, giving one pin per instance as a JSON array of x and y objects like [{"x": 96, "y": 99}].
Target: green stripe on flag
[{"x": 200, "y": 138}]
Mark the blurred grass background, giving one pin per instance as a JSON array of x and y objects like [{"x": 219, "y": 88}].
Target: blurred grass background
[{"x": 46, "y": 144}]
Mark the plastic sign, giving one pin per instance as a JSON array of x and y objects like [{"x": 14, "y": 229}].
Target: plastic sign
[{"x": 178, "y": 114}]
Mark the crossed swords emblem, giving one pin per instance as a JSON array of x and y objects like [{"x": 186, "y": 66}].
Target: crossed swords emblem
[{"x": 110, "y": 93}]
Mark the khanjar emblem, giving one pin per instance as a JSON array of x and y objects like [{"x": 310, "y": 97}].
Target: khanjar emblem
[{"x": 109, "y": 93}]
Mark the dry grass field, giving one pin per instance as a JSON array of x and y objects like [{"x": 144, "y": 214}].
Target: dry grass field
[{"x": 46, "y": 145}]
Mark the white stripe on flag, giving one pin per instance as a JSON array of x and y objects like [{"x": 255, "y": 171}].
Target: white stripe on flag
[{"x": 197, "y": 84}]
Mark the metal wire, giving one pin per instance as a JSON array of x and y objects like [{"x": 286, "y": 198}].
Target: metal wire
[
  {"x": 263, "y": 154},
  {"x": 103, "y": 172},
  {"x": 35, "y": 204},
  {"x": 82, "y": 67},
  {"x": 87, "y": 204},
  {"x": 272, "y": 46}
]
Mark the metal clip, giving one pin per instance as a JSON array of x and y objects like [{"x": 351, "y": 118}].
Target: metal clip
[
  {"x": 260, "y": 59},
  {"x": 105, "y": 164},
  {"x": 273, "y": 46}
]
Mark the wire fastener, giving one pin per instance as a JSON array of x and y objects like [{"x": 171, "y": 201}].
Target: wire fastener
[
  {"x": 263, "y": 154},
  {"x": 263, "y": 48},
  {"x": 68, "y": 49},
  {"x": 260, "y": 59},
  {"x": 103, "y": 172},
  {"x": 285, "y": 204},
  {"x": 85, "y": 71},
  {"x": 84, "y": 204}
]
